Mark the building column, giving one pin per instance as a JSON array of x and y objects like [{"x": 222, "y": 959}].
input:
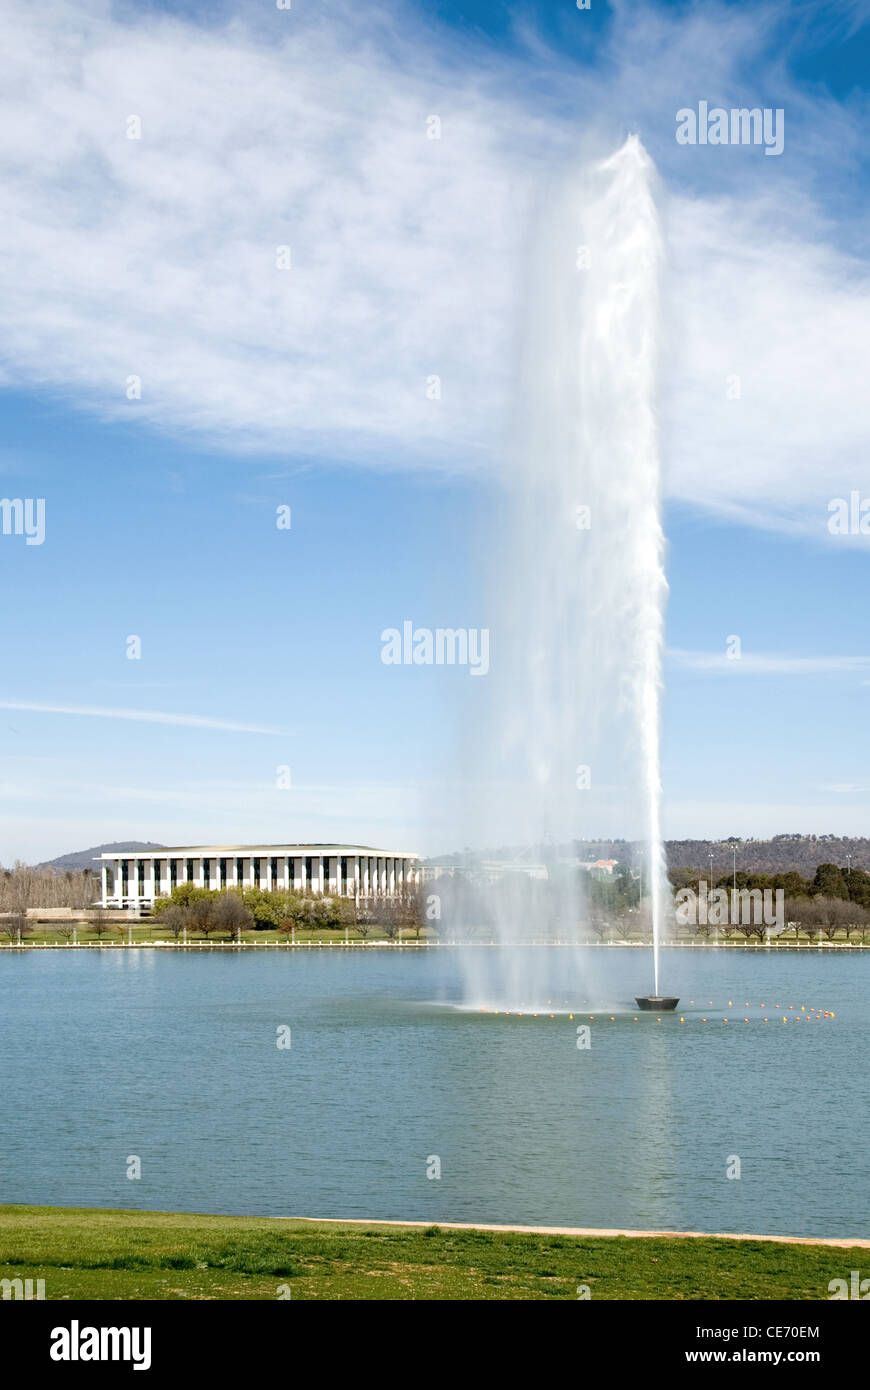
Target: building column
[
  {"x": 150, "y": 869},
  {"x": 353, "y": 869},
  {"x": 105, "y": 876},
  {"x": 119, "y": 882}
]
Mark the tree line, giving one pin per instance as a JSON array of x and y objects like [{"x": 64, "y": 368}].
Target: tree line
[
  {"x": 828, "y": 881},
  {"x": 231, "y": 911},
  {"x": 25, "y": 886}
]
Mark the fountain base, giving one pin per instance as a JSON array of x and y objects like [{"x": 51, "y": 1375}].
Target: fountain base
[{"x": 656, "y": 1003}]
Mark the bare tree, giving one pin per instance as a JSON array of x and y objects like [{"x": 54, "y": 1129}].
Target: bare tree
[
  {"x": 174, "y": 919},
  {"x": 100, "y": 925},
  {"x": 23, "y": 886},
  {"x": 16, "y": 927},
  {"x": 230, "y": 914},
  {"x": 201, "y": 916}
]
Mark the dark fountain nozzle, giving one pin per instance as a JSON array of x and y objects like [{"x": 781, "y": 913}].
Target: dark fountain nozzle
[{"x": 656, "y": 1003}]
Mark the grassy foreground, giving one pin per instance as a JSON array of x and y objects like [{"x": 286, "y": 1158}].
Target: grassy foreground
[{"x": 94, "y": 1254}]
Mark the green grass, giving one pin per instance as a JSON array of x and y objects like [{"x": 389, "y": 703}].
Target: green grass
[
  {"x": 150, "y": 929},
  {"x": 94, "y": 1254},
  {"x": 47, "y": 934}
]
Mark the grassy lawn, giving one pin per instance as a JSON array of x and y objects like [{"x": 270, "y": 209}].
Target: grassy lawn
[
  {"x": 149, "y": 930},
  {"x": 46, "y": 933},
  {"x": 93, "y": 1254}
]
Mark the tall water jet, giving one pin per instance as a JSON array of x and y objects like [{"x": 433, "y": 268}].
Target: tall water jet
[{"x": 575, "y": 693}]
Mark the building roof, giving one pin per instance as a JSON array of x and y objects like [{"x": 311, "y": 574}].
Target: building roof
[{"x": 178, "y": 851}]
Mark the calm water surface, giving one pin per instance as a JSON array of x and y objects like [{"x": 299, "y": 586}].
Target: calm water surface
[{"x": 172, "y": 1056}]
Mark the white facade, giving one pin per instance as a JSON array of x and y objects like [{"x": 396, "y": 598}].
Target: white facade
[{"x": 137, "y": 878}]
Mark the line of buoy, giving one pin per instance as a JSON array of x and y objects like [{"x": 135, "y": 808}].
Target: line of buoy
[{"x": 810, "y": 1014}]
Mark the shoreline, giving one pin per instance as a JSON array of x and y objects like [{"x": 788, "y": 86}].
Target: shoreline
[
  {"x": 111, "y": 1254},
  {"x": 588, "y": 1232},
  {"x": 430, "y": 945}
]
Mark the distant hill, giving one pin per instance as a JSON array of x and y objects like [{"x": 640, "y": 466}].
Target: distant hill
[
  {"x": 802, "y": 853},
  {"x": 84, "y": 858},
  {"x": 778, "y": 855}
]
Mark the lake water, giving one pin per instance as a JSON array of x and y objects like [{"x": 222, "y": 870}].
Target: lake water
[{"x": 172, "y": 1056}]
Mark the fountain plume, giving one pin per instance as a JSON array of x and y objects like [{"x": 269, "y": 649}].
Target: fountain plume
[{"x": 576, "y": 680}]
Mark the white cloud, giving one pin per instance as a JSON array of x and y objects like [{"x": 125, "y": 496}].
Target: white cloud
[
  {"x": 156, "y": 257},
  {"x": 767, "y": 663},
  {"x": 142, "y": 716}
]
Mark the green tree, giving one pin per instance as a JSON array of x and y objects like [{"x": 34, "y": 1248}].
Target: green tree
[
  {"x": 182, "y": 895},
  {"x": 828, "y": 882}
]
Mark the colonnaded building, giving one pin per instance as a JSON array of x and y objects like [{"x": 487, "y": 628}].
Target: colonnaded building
[{"x": 137, "y": 878}]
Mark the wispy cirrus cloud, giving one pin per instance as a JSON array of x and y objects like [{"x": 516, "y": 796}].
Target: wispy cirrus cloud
[
  {"x": 143, "y": 716},
  {"x": 767, "y": 663},
  {"x": 156, "y": 257}
]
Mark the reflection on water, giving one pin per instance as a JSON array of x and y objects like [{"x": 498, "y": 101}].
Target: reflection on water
[{"x": 173, "y": 1057}]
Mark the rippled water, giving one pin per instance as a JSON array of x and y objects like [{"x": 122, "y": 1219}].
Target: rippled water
[{"x": 172, "y": 1056}]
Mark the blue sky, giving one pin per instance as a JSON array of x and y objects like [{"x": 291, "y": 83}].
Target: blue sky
[{"x": 157, "y": 258}]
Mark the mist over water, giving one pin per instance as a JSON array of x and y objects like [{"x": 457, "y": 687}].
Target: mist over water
[{"x": 572, "y": 748}]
